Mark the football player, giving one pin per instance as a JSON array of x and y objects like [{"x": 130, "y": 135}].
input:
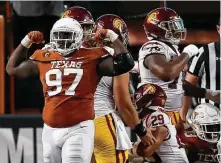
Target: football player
[
  {"x": 69, "y": 75},
  {"x": 160, "y": 61},
  {"x": 111, "y": 140},
  {"x": 84, "y": 17},
  {"x": 150, "y": 100},
  {"x": 201, "y": 139}
]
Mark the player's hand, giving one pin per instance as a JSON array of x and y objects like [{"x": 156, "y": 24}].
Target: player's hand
[
  {"x": 148, "y": 139},
  {"x": 191, "y": 50},
  {"x": 105, "y": 33},
  {"x": 36, "y": 37},
  {"x": 32, "y": 37},
  {"x": 213, "y": 95}
]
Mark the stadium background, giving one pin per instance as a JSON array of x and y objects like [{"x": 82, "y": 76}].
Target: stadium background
[{"x": 19, "y": 133}]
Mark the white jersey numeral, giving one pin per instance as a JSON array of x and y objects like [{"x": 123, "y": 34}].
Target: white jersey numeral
[{"x": 57, "y": 82}]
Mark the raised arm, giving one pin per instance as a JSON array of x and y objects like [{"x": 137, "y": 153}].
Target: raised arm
[
  {"x": 17, "y": 65},
  {"x": 121, "y": 62},
  {"x": 165, "y": 70}
]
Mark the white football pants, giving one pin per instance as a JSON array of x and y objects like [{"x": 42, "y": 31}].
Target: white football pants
[{"x": 68, "y": 145}]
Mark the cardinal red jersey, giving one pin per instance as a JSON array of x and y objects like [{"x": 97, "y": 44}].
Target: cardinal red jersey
[
  {"x": 69, "y": 84},
  {"x": 199, "y": 151}
]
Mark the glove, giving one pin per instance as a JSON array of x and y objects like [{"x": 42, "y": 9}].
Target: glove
[
  {"x": 32, "y": 37},
  {"x": 191, "y": 50},
  {"x": 105, "y": 33}
]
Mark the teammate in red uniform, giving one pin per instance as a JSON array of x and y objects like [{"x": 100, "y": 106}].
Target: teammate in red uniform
[
  {"x": 201, "y": 140},
  {"x": 69, "y": 75}
]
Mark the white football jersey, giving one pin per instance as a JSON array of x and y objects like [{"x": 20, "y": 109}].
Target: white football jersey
[
  {"x": 169, "y": 151},
  {"x": 103, "y": 98},
  {"x": 173, "y": 88}
]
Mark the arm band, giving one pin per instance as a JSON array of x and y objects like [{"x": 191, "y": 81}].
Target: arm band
[
  {"x": 193, "y": 91},
  {"x": 140, "y": 130},
  {"x": 123, "y": 63}
]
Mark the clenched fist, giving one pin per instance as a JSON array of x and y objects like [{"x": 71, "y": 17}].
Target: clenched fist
[
  {"x": 36, "y": 37},
  {"x": 100, "y": 34},
  {"x": 32, "y": 37},
  {"x": 105, "y": 33}
]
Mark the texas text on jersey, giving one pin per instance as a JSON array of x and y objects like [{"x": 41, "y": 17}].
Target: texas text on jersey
[
  {"x": 199, "y": 151},
  {"x": 64, "y": 77},
  {"x": 173, "y": 88}
]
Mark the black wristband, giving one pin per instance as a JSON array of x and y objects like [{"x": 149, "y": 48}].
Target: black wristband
[{"x": 140, "y": 130}]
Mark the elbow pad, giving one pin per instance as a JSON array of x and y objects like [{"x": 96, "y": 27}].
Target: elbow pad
[{"x": 123, "y": 63}]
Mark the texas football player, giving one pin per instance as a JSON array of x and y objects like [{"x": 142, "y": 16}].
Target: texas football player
[
  {"x": 150, "y": 100},
  {"x": 111, "y": 140},
  {"x": 69, "y": 75},
  {"x": 201, "y": 139},
  {"x": 160, "y": 61}
]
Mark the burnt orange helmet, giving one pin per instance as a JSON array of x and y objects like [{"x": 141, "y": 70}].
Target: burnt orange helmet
[{"x": 165, "y": 24}]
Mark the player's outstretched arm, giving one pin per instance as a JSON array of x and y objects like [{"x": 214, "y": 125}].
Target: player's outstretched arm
[
  {"x": 17, "y": 65},
  {"x": 127, "y": 110},
  {"x": 121, "y": 62},
  {"x": 165, "y": 70}
]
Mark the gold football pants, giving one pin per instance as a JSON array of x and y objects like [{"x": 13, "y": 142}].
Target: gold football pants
[{"x": 105, "y": 142}]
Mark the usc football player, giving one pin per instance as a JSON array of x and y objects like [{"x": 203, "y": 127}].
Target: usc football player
[
  {"x": 111, "y": 140},
  {"x": 84, "y": 17},
  {"x": 150, "y": 100},
  {"x": 160, "y": 61},
  {"x": 69, "y": 75}
]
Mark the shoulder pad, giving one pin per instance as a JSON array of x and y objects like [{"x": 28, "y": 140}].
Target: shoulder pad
[
  {"x": 152, "y": 47},
  {"x": 45, "y": 56}
]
